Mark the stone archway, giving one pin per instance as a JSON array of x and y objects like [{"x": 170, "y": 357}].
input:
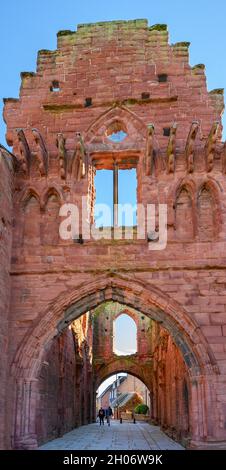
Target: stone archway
[
  {"x": 143, "y": 297},
  {"x": 121, "y": 365}
]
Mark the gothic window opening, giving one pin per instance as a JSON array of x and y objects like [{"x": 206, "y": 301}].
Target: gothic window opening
[{"x": 124, "y": 336}]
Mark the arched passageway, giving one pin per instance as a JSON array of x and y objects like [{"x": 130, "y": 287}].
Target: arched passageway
[
  {"x": 127, "y": 397},
  {"x": 136, "y": 297}
]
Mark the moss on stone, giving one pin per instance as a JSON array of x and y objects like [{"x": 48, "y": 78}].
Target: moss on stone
[
  {"x": 24, "y": 75},
  {"x": 45, "y": 51},
  {"x": 199, "y": 66},
  {"x": 65, "y": 32},
  {"x": 158, "y": 27},
  {"x": 10, "y": 100},
  {"x": 182, "y": 44},
  {"x": 111, "y": 24},
  {"x": 217, "y": 91}
]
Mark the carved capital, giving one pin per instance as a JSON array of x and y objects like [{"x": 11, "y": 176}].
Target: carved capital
[
  {"x": 211, "y": 145},
  {"x": 41, "y": 154},
  {"x": 61, "y": 155},
  {"x": 25, "y": 154},
  {"x": 190, "y": 146}
]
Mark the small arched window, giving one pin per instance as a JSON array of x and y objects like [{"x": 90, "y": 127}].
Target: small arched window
[{"x": 124, "y": 336}]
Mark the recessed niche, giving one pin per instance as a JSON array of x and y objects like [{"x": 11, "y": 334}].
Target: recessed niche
[
  {"x": 55, "y": 87},
  {"x": 145, "y": 96},
  {"x": 162, "y": 78},
  {"x": 88, "y": 102},
  {"x": 166, "y": 131}
]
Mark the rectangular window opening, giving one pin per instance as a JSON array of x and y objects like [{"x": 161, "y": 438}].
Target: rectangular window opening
[
  {"x": 103, "y": 214},
  {"x": 126, "y": 196}
]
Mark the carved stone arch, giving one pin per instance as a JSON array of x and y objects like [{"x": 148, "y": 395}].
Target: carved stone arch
[
  {"x": 27, "y": 194},
  {"x": 53, "y": 190},
  {"x": 172, "y": 198},
  {"x": 31, "y": 210},
  {"x": 185, "y": 210},
  {"x": 209, "y": 229},
  {"x": 141, "y": 296},
  {"x": 117, "y": 113},
  {"x": 187, "y": 183},
  {"x": 50, "y": 217},
  {"x": 127, "y": 311},
  {"x": 121, "y": 366},
  {"x": 136, "y": 294}
]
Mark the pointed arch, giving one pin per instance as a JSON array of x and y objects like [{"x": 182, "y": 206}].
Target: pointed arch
[
  {"x": 141, "y": 296},
  {"x": 184, "y": 214},
  {"x": 32, "y": 219},
  {"x": 27, "y": 194},
  {"x": 130, "y": 122},
  {"x": 121, "y": 365},
  {"x": 198, "y": 357},
  {"x": 50, "y": 218},
  {"x": 124, "y": 335},
  {"x": 53, "y": 190},
  {"x": 209, "y": 212}
]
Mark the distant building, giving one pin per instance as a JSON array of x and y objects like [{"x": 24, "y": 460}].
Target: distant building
[{"x": 124, "y": 394}]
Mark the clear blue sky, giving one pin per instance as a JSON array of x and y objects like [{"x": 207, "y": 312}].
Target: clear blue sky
[{"x": 27, "y": 26}]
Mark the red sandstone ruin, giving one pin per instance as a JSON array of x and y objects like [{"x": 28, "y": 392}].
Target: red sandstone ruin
[{"x": 108, "y": 77}]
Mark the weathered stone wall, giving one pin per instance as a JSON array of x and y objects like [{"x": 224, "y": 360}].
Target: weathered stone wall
[
  {"x": 170, "y": 391},
  {"x": 56, "y": 406},
  {"x": 6, "y": 171},
  {"x": 105, "y": 361},
  {"x": 182, "y": 286},
  {"x": 64, "y": 383}
]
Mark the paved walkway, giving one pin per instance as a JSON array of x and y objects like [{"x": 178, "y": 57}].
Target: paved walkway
[{"x": 125, "y": 436}]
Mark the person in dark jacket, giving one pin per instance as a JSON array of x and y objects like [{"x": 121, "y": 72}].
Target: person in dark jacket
[
  {"x": 108, "y": 415},
  {"x": 101, "y": 415}
]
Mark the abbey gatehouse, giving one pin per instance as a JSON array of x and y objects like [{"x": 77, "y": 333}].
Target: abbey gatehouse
[{"x": 113, "y": 96}]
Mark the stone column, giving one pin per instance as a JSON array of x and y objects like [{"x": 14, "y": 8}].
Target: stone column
[
  {"x": 25, "y": 436},
  {"x": 202, "y": 415}
]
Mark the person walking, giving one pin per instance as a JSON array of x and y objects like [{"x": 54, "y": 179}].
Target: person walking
[
  {"x": 108, "y": 415},
  {"x": 101, "y": 415}
]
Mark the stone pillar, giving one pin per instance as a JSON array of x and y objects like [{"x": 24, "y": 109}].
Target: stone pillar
[
  {"x": 25, "y": 436},
  {"x": 202, "y": 416}
]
